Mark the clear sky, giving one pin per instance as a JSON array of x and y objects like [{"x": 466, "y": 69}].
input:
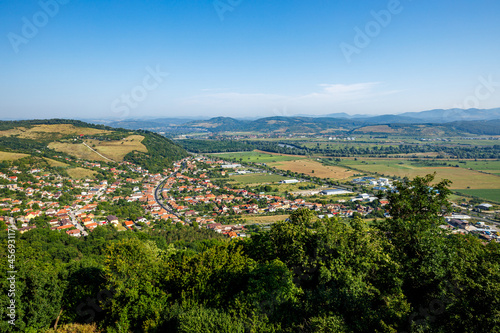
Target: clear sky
[{"x": 246, "y": 58}]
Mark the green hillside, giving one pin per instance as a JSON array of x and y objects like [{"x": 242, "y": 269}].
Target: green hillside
[{"x": 77, "y": 139}]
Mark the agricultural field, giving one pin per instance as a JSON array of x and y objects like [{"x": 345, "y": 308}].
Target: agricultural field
[
  {"x": 114, "y": 150},
  {"x": 486, "y": 166},
  {"x": 314, "y": 168},
  {"x": 6, "y": 156},
  {"x": 52, "y": 132},
  {"x": 257, "y": 178},
  {"x": 376, "y": 129},
  {"x": 80, "y": 173},
  {"x": 462, "y": 178},
  {"x": 77, "y": 150},
  {"x": 257, "y": 156},
  {"x": 264, "y": 219},
  {"x": 54, "y": 163},
  {"x": 486, "y": 194},
  {"x": 282, "y": 188},
  {"x": 117, "y": 149}
]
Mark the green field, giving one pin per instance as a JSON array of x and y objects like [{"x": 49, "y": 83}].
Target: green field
[
  {"x": 257, "y": 157},
  {"x": 257, "y": 178},
  {"x": 488, "y": 166},
  {"x": 491, "y": 194}
]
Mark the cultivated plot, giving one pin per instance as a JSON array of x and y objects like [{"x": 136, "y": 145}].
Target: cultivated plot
[{"x": 314, "y": 168}]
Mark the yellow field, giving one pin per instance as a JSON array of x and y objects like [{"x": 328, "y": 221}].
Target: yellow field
[
  {"x": 265, "y": 219},
  {"x": 308, "y": 166},
  {"x": 55, "y": 163},
  {"x": 80, "y": 173},
  {"x": 278, "y": 154},
  {"x": 6, "y": 156},
  {"x": 376, "y": 129},
  {"x": 55, "y": 131},
  {"x": 76, "y": 149},
  {"x": 116, "y": 150}
]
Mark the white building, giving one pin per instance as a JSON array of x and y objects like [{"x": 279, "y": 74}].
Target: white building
[
  {"x": 231, "y": 166},
  {"x": 336, "y": 191},
  {"x": 289, "y": 181}
]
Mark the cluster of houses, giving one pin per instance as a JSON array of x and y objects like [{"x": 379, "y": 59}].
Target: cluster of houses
[
  {"x": 186, "y": 193},
  {"x": 381, "y": 184},
  {"x": 182, "y": 194},
  {"x": 80, "y": 216}
]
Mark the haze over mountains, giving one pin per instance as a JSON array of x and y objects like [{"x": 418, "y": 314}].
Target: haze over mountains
[
  {"x": 473, "y": 121},
  {"x": 431, "y": 116}
]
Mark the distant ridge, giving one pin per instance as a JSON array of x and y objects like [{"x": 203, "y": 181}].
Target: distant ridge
[
  {"x": 429, "y": 116},
  {"x": 452, "y": 121},
  {"x": 451, "y": 115}
]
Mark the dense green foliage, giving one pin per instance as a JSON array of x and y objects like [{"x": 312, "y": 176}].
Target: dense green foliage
[
  {"x": 404, "y": 274},
  {"x": 215, "y": 146}
]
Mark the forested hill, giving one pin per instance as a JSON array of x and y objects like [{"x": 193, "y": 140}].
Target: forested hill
[
  {"x": 82, "y": 140},
  {"x": 394, "y": 124}
]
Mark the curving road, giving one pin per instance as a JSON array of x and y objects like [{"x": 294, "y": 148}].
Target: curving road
[{"x": 157, "y": 197}]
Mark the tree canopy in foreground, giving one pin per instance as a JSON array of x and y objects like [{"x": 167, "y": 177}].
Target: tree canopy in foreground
[{"x": 404, "y": 274}]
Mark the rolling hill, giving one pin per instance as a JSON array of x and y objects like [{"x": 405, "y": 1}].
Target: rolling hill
[
  {"x": 77, "y": 139},
  {"x": 307, "y": 125},
  {"x": 435, "y": 122}
]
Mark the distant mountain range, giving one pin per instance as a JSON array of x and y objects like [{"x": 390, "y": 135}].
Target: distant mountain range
[
  {"x": 452, "y": 121},
  {"x": 431, "y": 116}
]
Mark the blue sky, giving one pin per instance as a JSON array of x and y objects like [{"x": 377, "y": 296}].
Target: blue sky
[{"x": 242, "y": 58}]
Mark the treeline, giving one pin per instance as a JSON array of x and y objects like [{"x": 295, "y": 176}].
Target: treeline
[
  {"x": 222, "y": 146},
  {"x": 22, "y": 145},
  {"x": 215, "y": 146},
  {"x": 404, "y": 274},
  {"x": 6, "y": 125}
]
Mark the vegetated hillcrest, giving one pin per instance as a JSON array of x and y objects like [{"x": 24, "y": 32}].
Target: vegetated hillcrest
[
  {"x": 77, "y": 139},
  {"x": 394, "y": 123},
  {"x": 439, "y": 122}
]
